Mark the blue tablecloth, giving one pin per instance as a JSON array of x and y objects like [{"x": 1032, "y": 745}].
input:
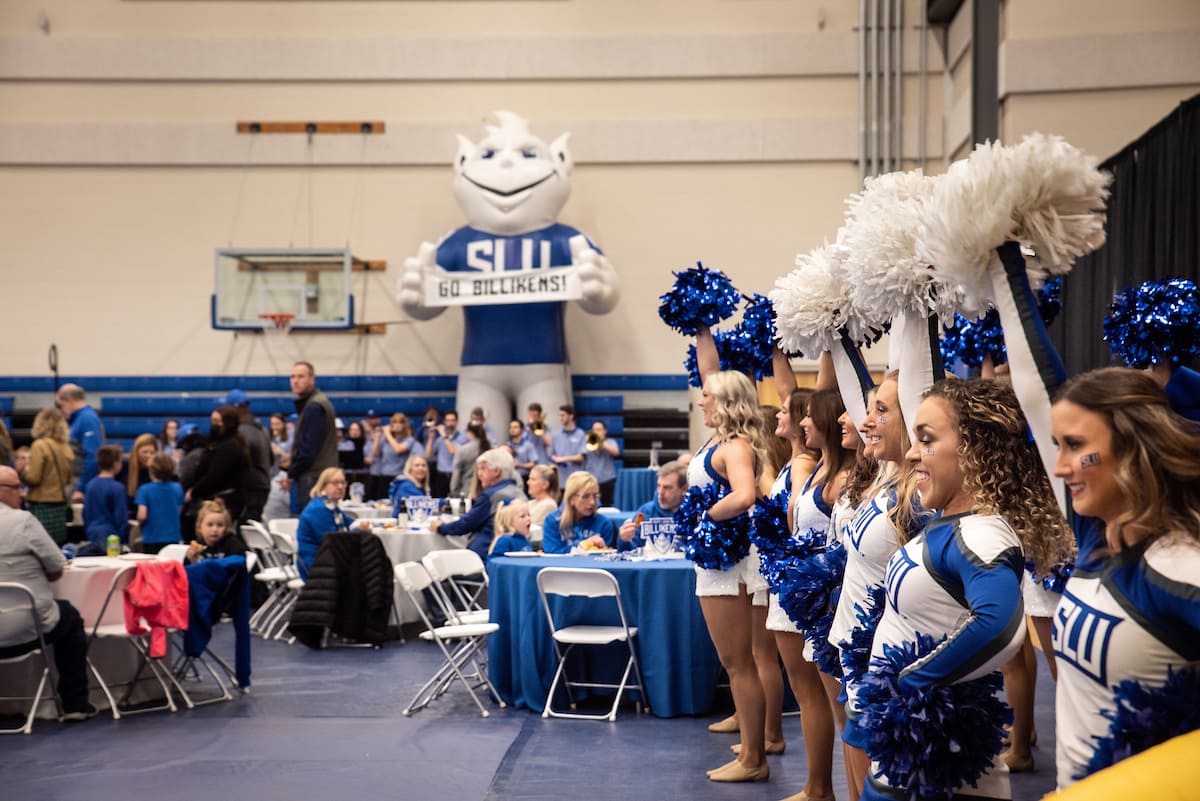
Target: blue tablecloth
[
  {"x": 635, "y": 486},
  {"x": 679, "y": 663}
]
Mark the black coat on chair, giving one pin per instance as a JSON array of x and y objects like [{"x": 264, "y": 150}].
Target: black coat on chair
[{"x": 348, "y": 591}]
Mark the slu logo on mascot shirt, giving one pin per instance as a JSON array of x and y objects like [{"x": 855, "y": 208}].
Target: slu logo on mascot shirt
[{"x": 1081, "y": 636}]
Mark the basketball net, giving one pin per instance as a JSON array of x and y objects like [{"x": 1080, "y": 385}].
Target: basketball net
[{"x": 277, "y": 324}]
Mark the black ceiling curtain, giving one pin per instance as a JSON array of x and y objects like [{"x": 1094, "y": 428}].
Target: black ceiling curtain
[{"x": 1153, "y": 233}]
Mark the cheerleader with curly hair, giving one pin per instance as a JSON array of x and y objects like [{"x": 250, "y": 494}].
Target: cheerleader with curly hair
[
  {"x": 1128, "y": 626},
  {"x": 957, "y": 583}
]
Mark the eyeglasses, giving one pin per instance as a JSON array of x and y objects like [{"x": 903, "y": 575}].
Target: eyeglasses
[{"x": 589, "y": 496}]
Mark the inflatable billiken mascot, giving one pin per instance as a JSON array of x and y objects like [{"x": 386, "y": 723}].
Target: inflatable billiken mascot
[{"x": 511, "y": 187}]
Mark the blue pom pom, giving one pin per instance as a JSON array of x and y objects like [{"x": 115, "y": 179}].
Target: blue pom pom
[
  {"x": 825, "y": 656},
  {"x": 808, "y": 587},
  {"x": 1144, "y": 717},
  {"x": 930, "y": 741},
  {"x": 711, "y": 544},
  {"x": 1055, "y": 580},
  {"x": 970, "y": 341},
  {"x": 1155, "y": 323},
  {"x": 700, "y": 297},
  {"x": 769, "y": 532},
  {"x": 856, "y": 651},
  {"x": 751, "y": 343}
]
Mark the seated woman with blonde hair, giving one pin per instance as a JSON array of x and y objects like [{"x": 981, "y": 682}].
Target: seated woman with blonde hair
[
  {"x": 322, "y": 516},
  {"x": 542, "y": 487},
  {"x": 576, "y": 523},
  {"x": 413, "y": 482}
]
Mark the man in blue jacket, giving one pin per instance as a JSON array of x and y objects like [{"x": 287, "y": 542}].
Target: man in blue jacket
[
  {"x": 85, "y": 429},
  {"x": 495, "y": 471},
  {"x": 672, "y": 487}
]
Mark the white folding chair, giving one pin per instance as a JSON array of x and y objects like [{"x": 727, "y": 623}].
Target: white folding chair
[
  {"x": 272, "y": 617},
  {"x": 16, "y": 600},
  {"x": 117, "y": 631},
  {"x": 460, "y": 645},
  {"x": 590, "y": 583},
  {"x": 175, "y": 552},
  {"x": 458, "y": 595},
  {"x": 286, "y": 526},
  {"x": 258, "y": 539}
]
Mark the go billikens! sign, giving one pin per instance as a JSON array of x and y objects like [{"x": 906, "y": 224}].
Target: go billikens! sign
[{"x": 525, "y": 286}]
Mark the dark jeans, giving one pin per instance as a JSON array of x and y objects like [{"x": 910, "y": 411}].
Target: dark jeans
[
  {"x": 439, "y": 484},
  {"x": 70, "y": 656},
  {"x": 607, "y": 490},
  {"x": 256, "y": 499},
  {"x": 301, "y": 487}
]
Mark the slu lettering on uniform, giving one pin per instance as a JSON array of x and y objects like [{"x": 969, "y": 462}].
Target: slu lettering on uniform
[
  {"x": 528, "y": 286},
  {"x": 1081, "y": 636}
]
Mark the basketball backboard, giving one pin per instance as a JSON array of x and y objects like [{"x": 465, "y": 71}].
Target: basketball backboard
[{"x": 311, "y": 284}]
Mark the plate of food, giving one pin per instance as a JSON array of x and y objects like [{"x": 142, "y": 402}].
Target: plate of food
[{"x": 587, "y": 549}]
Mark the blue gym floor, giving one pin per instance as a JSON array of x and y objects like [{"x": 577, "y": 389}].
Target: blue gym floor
[{"x": 327, "y": 726}]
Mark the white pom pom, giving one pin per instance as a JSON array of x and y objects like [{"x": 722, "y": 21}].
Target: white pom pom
[
  {"x": 1043, "y": 192},
  {"x": 888, "y": 275},
  {"x": 810, "y": 302},
  {"x": 969, "y": 215},
  {"x": 1060, "y": 201}
]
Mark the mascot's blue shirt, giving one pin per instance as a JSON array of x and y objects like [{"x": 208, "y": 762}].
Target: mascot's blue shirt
[{"x": 518, "y": 333}]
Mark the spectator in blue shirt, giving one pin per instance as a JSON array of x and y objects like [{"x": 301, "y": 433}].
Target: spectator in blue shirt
[
  {"x": 598, "y": 456},
  {"x": 537, "y": 433},
  {"x": 105, "y": 505},
  {"x": 672, "y": 487},
  {"x": 512, "y": 528},
  {"x": 567, "y": 444},
  {"x": 412, "y": 483},
  {"x": 494, "y": 469},
  {"x": 85, "y": 429},
  {"x": 158, "y": 505},
  {"x": 522, "y": 448},
  {"x": 575, "y": 523},
  {"x": 444, "y": 441}
]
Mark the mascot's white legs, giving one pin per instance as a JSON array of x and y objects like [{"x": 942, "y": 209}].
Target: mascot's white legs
[{"x": 496, "y": 387}]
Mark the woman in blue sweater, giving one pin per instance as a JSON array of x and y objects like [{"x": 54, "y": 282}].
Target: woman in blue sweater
[
  {"x": 412, "y": 483},
  {"x": 576, "y": 523},
  {"x": 320, "y": 517}
]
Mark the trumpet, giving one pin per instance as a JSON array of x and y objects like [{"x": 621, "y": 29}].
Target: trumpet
[
  {"x": 593, "y": 441},
  {"x": 538, "y": 428}
]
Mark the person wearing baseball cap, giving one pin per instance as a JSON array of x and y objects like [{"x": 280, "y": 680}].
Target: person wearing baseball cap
[{"x": 258, "y": 444}]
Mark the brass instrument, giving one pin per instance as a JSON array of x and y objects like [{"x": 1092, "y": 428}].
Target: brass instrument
[
  {"x": 538, "y": 429},
  {"x": 593, "y": 441}
]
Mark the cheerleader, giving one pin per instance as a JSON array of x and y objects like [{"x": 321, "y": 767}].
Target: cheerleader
[
  {"x": 957, "y": 584},
  {"x": 732, "y": 459},
  {"x": 811, "y": 529},
  {"x": 870, "y": 539},
  {"x": 1128, "y": 625}
]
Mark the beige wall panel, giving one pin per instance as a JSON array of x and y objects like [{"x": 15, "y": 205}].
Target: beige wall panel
[
  {"x": 1100, "y": 123},
  {"x": 546, "y": 103},
  {"x": 449, "y": 19},
  {"x": 1100, "y": 62},
  {"x": 1039, "y": 19},
  {"x": 126, "y": 292}
]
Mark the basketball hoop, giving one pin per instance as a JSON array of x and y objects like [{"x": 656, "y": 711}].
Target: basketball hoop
[{"x": 277, "y": 323}]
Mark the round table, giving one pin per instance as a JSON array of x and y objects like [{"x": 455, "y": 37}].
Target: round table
[
  {"x": 409, "y": 545},
  {"x": 678, "y": 661}
]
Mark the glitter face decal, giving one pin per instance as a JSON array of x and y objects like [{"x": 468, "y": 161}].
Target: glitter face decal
[{"x": 1089, "y": 460}]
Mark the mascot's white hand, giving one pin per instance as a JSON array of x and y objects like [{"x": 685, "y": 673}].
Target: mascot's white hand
[
  {"x": 410, "y": 289},
  {"x": 597, "y": 278}
]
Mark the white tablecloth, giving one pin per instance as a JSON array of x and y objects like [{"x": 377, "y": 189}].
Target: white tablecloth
[
  {"x": 406, "y": 545},
  {"x": 85, "y": 583}
]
